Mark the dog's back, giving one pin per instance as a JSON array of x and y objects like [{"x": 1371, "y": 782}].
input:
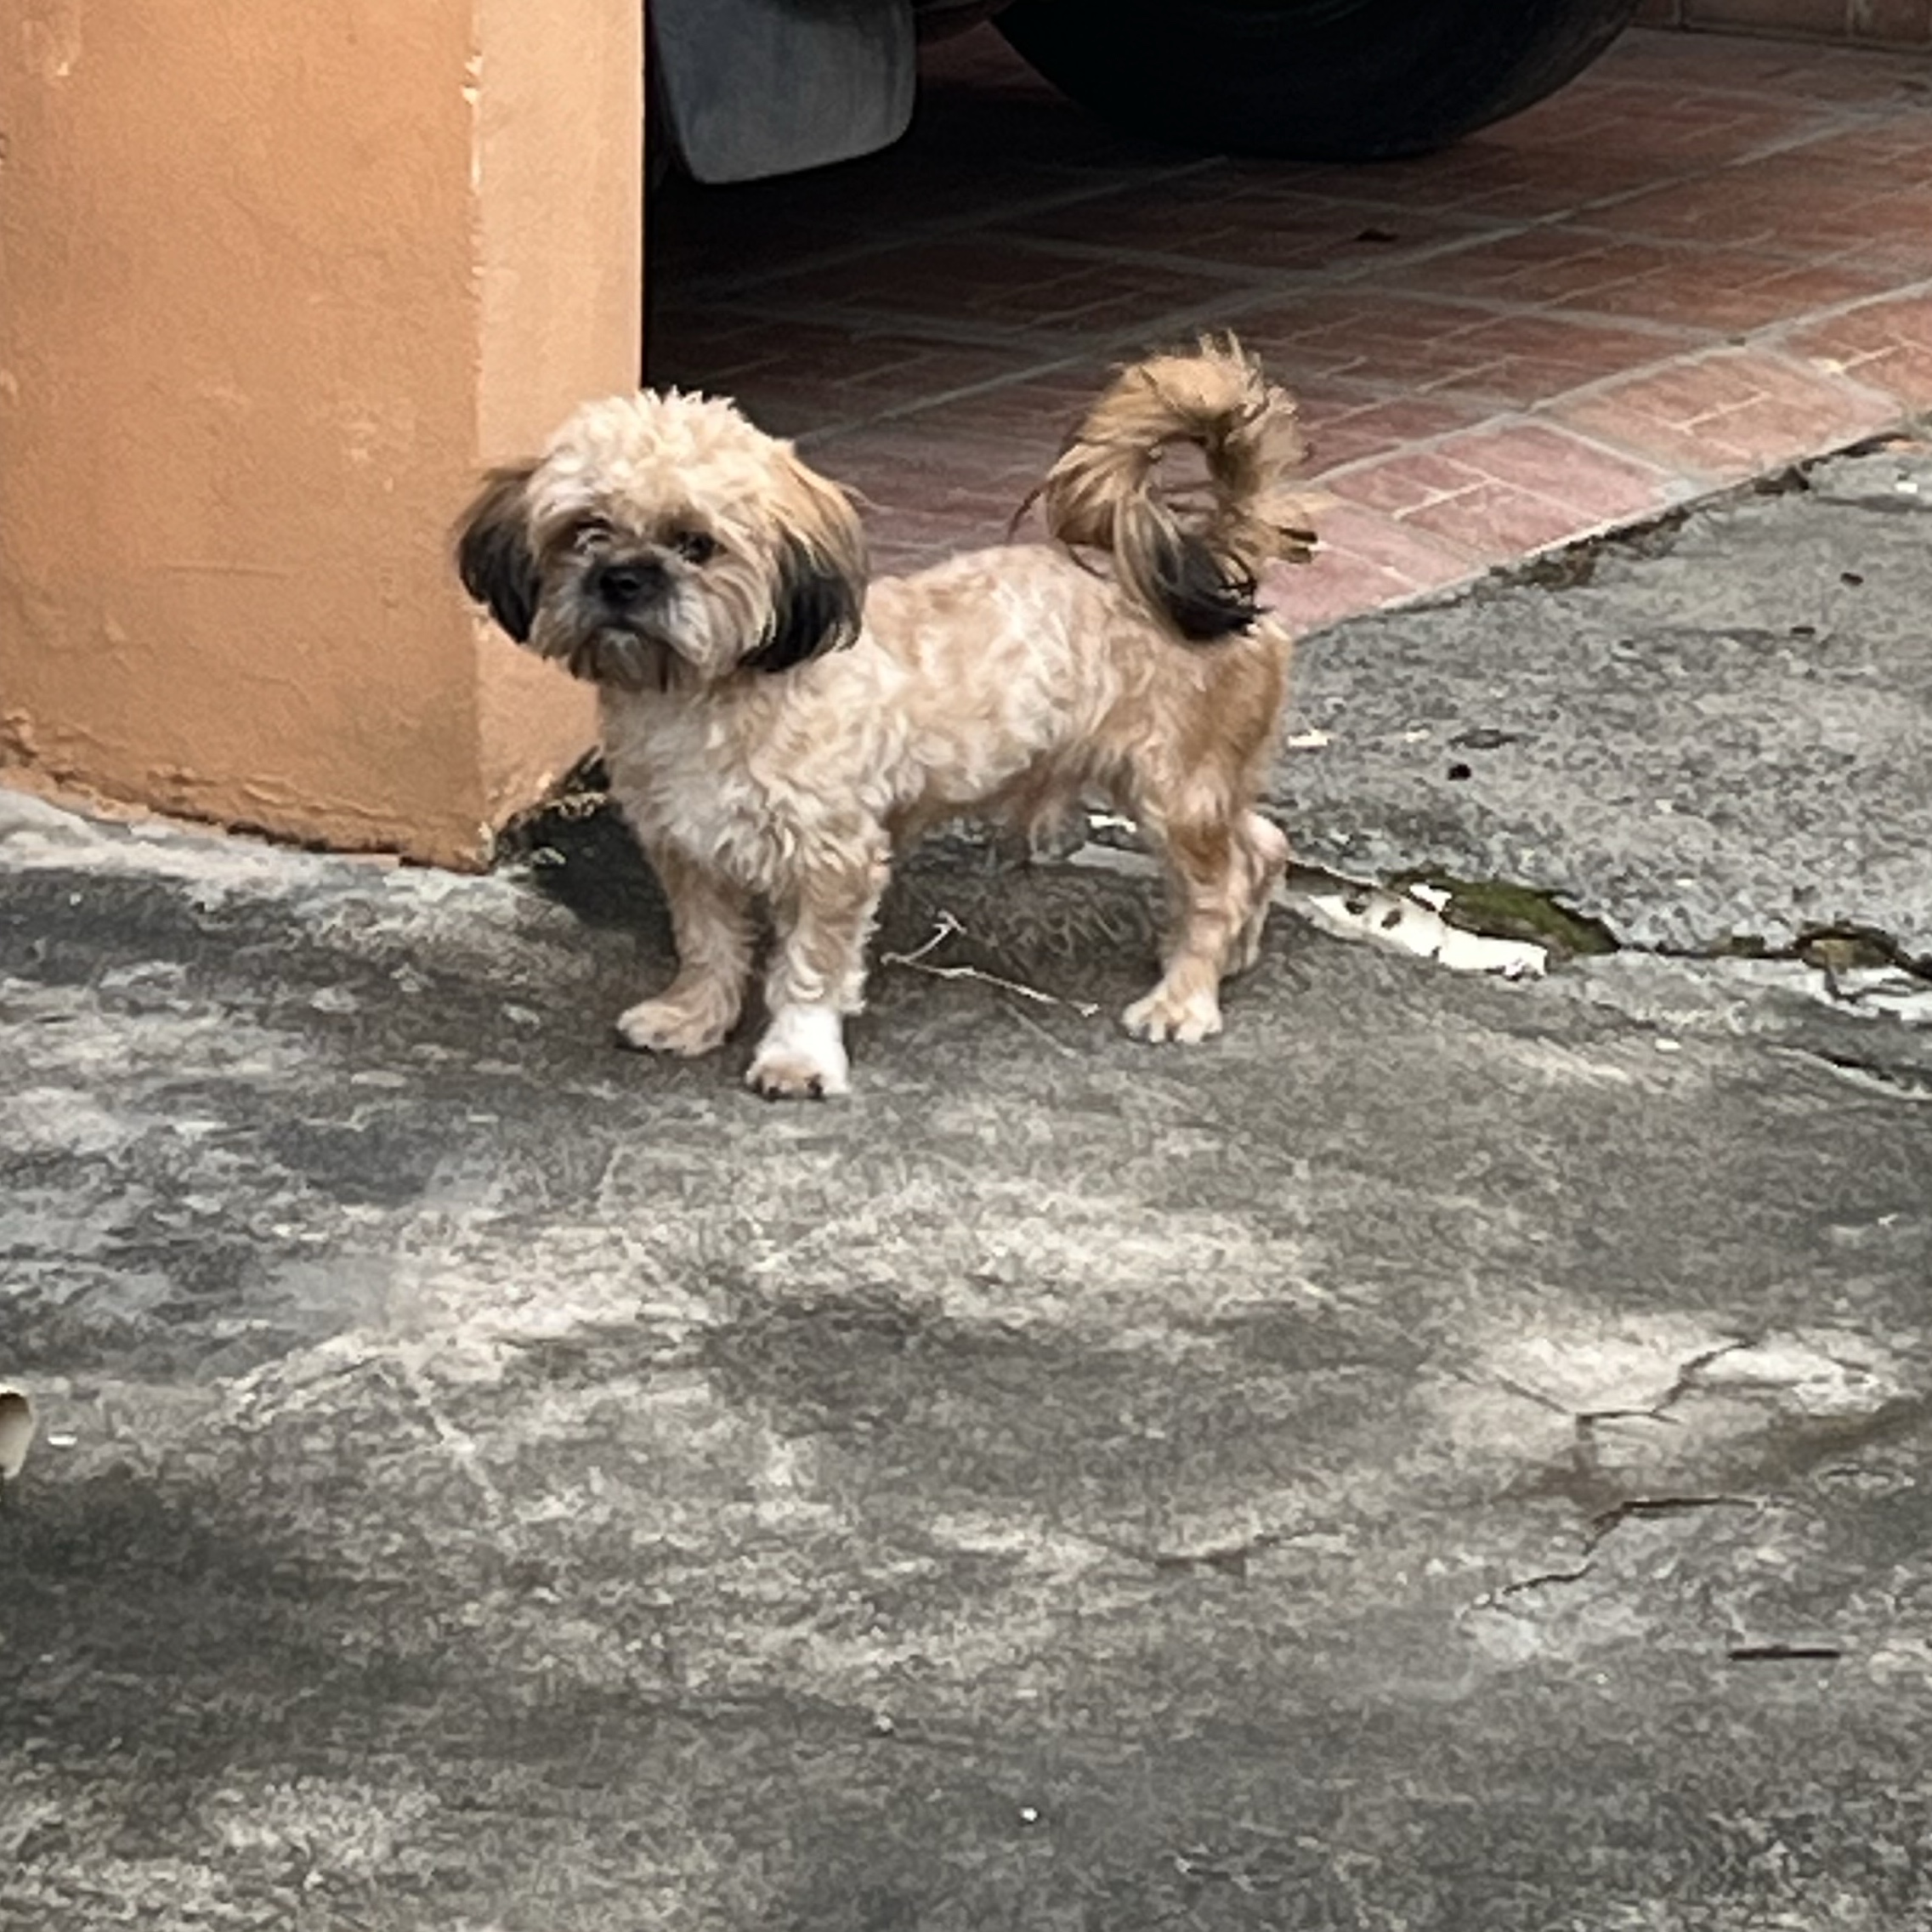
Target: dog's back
[{"x": 1033, "y": 673}]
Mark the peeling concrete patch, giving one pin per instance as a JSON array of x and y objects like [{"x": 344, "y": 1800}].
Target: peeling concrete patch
[
  {"x": 1721, "y": 743},
  {"x": 1409, "y": 923},
  {"x": 1882, "y": 992}
]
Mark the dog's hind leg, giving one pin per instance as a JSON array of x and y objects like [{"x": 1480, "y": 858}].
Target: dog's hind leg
[
  {"x": 1265, "y": 847},
  {"x": 1191, "y": 783},
  {"x": 817, "y": 974},
  {"x": 712, "y": 922},
  {"x": 1209, "y": 908}
]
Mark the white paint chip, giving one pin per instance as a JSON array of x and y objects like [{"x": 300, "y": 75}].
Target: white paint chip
[
  {"x": 1400, "y": 924},
  {"x": 16, "y": 1430}
]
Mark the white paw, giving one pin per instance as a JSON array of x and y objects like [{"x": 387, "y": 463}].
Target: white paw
[
  {"x": 801, "y": 1056},
  {"x": 1167, "y": 1014},
  {"x": 667, "y": 1026}
]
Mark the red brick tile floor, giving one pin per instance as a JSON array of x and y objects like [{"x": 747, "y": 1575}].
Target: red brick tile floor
[{"x": 1705, "y": 259}]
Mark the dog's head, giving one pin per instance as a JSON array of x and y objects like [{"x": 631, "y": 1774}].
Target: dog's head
[{"x": 661, "y": 538}]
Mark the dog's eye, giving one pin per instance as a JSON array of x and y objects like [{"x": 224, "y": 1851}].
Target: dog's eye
[{"x": 695, "y": 546}]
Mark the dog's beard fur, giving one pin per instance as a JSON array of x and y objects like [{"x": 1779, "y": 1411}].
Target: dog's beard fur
[
  {"x": 643, "y": 650},
  {"x": 696, "y": 570},
  {"x": 632, "y": 653}
]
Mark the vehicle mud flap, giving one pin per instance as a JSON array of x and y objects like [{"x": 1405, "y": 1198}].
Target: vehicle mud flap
[{"x": 756, "y": 88}]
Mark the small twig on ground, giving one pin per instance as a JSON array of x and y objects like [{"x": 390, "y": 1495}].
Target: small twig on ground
[
  {"x": 1032, "y": 1026},
  {"x": 947, "y": 927},
  {"x": 943, "y": 931}
]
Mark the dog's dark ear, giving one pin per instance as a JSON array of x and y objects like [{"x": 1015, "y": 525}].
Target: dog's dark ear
[
  {"x": 494, "y": 557},
  {"x": 815, "y": 609},
  {"x": 818, "y": 597}
]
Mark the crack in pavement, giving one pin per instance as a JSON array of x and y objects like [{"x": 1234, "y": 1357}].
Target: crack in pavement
[
  {"x": 1544, "y": 1579},
  {"x": 1586, "y": 1473},
  {"x": 1857, "y": 1071},
  {"x": 1585, "y": 1479},
  {"x": 1634, "y": 1509},
  {"x": 1604, "y": 1525}
]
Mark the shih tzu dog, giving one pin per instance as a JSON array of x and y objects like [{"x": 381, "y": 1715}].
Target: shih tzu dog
[{"x": 775, "y": 726}]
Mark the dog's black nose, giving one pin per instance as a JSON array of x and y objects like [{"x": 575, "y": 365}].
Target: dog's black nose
[{"x": 621, "y": 585}]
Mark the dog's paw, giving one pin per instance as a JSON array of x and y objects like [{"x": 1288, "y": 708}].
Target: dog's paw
[
  {"x": 1167, "y": 1013},
  {"x": 801, "y": 1056},
  {"x": 794, "y": 1076},
  {"x": 668, "y": 1026}
]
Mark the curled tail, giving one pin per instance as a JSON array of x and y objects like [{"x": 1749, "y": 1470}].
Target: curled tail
[{"x": 1194, "y": 557}]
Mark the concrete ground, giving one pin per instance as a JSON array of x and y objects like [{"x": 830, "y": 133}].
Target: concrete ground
[{"x": 1450, "y": 1456}]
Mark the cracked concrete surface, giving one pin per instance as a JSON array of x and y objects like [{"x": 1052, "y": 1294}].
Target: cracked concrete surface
[
  {"x": 1718, "y": 735},
  {"x": 1450, "y": 1454}
]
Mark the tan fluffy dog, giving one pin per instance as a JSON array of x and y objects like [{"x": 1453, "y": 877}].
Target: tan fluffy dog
[{"x": 774, "y": 727}]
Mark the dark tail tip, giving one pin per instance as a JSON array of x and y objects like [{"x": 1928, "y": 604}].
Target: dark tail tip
[{"x": 1207, "y": 596}]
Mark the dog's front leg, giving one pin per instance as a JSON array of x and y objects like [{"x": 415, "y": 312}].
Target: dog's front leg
[
  {"x": 711, "y": 920},
  {"x": 817, "y": 974}
]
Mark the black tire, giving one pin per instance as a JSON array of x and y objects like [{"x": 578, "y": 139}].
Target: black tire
[{"x": 1316, "y": 80}]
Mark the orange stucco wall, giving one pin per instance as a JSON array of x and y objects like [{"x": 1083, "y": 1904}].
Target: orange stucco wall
[{"x": 273, "y": 283}]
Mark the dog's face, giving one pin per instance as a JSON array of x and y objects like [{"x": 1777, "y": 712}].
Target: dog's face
[{"x": 663, "y": 539}]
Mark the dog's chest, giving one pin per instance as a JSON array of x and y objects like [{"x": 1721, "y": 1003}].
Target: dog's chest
[{"x": 687, "y": 777}]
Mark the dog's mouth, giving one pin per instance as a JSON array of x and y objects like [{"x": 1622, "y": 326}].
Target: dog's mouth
[
  {"x": 622, "y": 650},
  {"x": 623, "y": 657}
]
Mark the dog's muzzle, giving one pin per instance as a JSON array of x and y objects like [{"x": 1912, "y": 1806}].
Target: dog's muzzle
[{"x": 622, "y": 587}]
